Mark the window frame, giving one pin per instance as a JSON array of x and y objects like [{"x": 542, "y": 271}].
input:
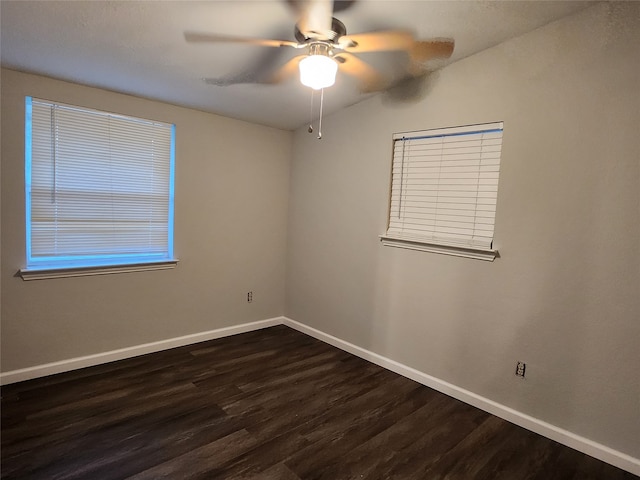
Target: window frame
[
  {"x": 427, "y": 243},
  {"x": 69, "y": 265}
]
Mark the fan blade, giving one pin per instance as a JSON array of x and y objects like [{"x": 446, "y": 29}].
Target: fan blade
[
  {"x": 338, "y": 6},
  {"x": 370, "y": 79},
  {"x": 423, "y": 54},
  {"x": 289, "y": 69},
  {"x": 315, "y": 18},
  {"x": 342, "y": 5},
  {"x": 286, "y": 71},
  {"x": 377, "y": 41},
  {"x": 196, "y": 37},
  {"x": 229, "y": 80},
  {"x": 425, "y": 51},
  {"x": 258, "y": 71}
]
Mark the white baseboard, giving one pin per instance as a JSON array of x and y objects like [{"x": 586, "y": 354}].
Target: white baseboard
[
  {"x": 599, "y": 451},
  {"x": 584, "y": 445},
  {"x": 122, "y": 353}
]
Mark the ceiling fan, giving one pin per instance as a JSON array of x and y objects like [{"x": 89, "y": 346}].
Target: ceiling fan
[{"x": 326, "y": 48}]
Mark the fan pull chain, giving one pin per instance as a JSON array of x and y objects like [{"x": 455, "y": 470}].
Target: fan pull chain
[
  {"x": 320, "y": 122},
  {"x": 310, "y": 129}
]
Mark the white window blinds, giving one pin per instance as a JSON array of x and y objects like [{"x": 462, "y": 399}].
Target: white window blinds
[
  {"x": 99, "y": 187},
  {"x": 444, "y": 186}
]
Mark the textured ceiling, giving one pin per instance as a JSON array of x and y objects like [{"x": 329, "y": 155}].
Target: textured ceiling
[{"x": 138, "y": 47}]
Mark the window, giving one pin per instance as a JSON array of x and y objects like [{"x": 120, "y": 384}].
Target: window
[
  {"x": 99, "y": 190},
  {"x": 444, "y": 187}
]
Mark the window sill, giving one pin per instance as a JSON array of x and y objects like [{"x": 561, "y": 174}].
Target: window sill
[
  {"x": 43, "y": 274},
  {"x": 442, "y": 248}
]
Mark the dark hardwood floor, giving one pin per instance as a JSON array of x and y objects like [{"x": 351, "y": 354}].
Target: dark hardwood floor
[{"x": 271, "y": 404}]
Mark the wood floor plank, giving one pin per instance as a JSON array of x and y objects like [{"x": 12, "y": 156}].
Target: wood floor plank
[
  {"x": 264, "y": 405},
  {"x": 202, "y": 460},
  {"x": 278, "y": 472},
  {"x": 340, "y": 430},
  {"x": 254, "y": 463},
  {"x": 377, "y": 454}
]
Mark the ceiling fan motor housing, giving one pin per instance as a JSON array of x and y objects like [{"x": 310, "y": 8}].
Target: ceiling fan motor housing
[{"x": 337, "y": 30}]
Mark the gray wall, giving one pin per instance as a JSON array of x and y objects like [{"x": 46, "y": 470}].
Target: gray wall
[
  {"x": 563, "y": 297},
  {"x": 232, "y": 184}
]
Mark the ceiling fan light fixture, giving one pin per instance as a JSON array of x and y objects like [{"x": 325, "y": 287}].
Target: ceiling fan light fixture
[{"x": 318, "y": 70}]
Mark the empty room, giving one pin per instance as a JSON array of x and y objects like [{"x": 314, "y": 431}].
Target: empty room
[{"x": 298, "y": 240}]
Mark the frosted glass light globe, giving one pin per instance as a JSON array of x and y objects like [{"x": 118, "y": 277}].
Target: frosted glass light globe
[{"x": 318, "y": 71}]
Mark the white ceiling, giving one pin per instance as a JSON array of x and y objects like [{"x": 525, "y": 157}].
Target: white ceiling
[{"x": 138, "y": 47}]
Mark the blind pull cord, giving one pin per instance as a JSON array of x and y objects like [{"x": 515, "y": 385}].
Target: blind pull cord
[
  {"x": 54, "y": 148},
  {"x": 404, "y": 142}
]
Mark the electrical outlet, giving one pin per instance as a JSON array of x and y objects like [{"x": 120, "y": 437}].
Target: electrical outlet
[
  {"x": 249, "y": 297},
  {"x": 520, "y": 368}
]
